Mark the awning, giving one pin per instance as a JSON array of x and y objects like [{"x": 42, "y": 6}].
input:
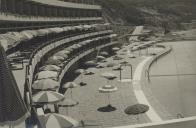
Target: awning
[{"x": 12, "y": 107}]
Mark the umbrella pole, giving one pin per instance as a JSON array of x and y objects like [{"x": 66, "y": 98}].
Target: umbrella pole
[
  {"x": 71, "y": 94},
  {"x": 109, "y": 99},
  {"x": 67, "y": 111}
]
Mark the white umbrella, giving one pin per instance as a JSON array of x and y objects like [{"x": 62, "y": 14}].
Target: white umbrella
[
  {"x": 46, "y": 74},
  {"x": 108, "y": 89},
  {"x": 47, "y": 97},
  {"x": 50, "y": 68},
  {"x": 70, "y": 85},
  {"x": 53, "y": 120},
  {"x": 45, "y": 84}
]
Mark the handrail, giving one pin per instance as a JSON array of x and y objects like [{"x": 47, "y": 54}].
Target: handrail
[
  {"x": 14, "y": 17},
  {"x": 28, "y": 85},
  {"x": 34, "y": 53}
]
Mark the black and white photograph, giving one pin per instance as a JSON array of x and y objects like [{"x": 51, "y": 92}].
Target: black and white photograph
[{"x": 97, "y": 63}]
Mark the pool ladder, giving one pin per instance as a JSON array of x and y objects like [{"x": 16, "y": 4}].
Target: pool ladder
[{"x": 179, "y": 115}]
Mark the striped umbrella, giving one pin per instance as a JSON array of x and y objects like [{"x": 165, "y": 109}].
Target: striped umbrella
[
  {"x": 47, "y": 97},
  {"x": 53, "y": 120},
  {"x": 61, "y": 54},
  {"x": 67, "y": 103},
  {"x": 91, "y": 63},
  {"x": 50, "y": 68},
  {"x": 46, "y": 74},
  {"x": 101, "y": 57},
  {"x": 70, "y": 85},
  {"x": 103, "y": 53},
  {"x": 108, "y": 89},
  {"x": 12, "y": 107},
  {"x": 56, "y": 58},
  {"x": 45, "y": 84},
  {"x": 53, "y": 62}
]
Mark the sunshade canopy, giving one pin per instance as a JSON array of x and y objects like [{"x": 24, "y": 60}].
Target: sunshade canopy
[
  {"x": 45, "y": 84},
  {"x": 46, "y": 74},
  {"x": 108, "y": 89},
  {"x": 47, "y": 97},
  {"x": 54, "y": 120},
  {"x": 12, "y": 107},
  {"x": 50, "y": 68}
]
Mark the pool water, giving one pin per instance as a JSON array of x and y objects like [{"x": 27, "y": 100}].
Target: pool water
[{"x": 173, "y": 79}]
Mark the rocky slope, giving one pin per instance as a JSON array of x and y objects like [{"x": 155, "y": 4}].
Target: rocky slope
[{"x": 162, "y": 13}]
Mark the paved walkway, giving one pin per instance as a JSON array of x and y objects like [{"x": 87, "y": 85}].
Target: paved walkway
[{"x": 140, "y": 96}]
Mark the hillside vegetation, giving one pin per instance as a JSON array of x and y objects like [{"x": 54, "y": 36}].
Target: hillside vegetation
[{"x": 168, "y": 13}]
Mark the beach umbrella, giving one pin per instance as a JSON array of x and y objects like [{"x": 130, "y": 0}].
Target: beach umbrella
[
  {"x": 101, "y": 57},
  {"x": 61, "y": 54},
  {"x": 90, "y": 71},
  {"x": 118, "y": 67},
  {"x": 132, "y": 56},
  {"x": 47, "y": 97},
  {"x": 100, "y": 65},
  {"x": 46, "y": 74},
  {"x": 136, "y": 109},
  {"x": 67, "y": 52},
  {"x": 50, "y": 68},
  {"x": 70, "y": 49},
  {"x": 103, "y": 53},
  {"x": 54, "y": 120},
  {"x": 109, "y": 76},
  {"x": 111, "y": 64},
  {"x": 70, "y": 85},
  {"x": 124, "y": 62},
  {"x": 91, "y": 63},
  {"x": 67, "y": 103},
  {"x": 45, "y": 84},
  {"x": 53, "y": 62},
  {"x": 79, "y": 71},
  {"x": 56, "y": 58},
  {"x": 13, "y": 110},
  {"x": 108, "y": 89},
  {"x": 117, "y": 58},
  {"x": 115, "y": 49}
]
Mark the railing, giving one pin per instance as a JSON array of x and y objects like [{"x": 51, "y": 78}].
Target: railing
[
  {"x": 15, "y": 17},
  {"x": 44, "y": 49}
]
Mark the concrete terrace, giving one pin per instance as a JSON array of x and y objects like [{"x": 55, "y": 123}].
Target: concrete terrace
[{"x": 90, "y": 99}]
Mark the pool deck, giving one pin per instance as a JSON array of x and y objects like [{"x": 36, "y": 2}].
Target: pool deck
[{"x": 90, "y": 100}]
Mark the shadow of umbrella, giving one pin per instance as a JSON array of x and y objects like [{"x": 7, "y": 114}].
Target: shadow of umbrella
[{"x": 136, "y": 109}]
